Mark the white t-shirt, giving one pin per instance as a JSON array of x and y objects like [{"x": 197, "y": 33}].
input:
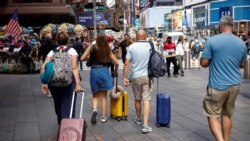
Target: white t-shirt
[
  {"x": 71, "y": 52},
  {"x": 179, "y": 49}
]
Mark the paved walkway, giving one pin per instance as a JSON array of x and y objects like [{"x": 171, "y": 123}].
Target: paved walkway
[{"x": 27, "y": 115}]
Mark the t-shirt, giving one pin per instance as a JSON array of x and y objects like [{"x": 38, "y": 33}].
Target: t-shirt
[
  {"x": 71, "y": 52},
  {"x": 170, "y": 47},
  {"x": 139, "y": 53},
  {"x": 124, "y": 44},
  {"x": 225, "y": 52},
  {"x": 179, "y": 49}
]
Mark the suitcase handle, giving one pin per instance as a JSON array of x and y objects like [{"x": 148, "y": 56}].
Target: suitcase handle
[
  {"x": 72, "y": 103},
  {"x": 116, "y": 83},
  {"x": 157, "y": 85}
]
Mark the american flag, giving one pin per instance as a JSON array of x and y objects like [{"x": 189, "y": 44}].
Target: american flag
[{"x": 13, "y": 27}]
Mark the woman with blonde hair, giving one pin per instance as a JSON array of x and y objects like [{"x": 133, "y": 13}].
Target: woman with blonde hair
[{"x": 100, "y": 77}]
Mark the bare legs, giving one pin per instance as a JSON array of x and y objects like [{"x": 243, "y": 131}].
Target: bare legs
[
  {"x": 138, "y": 108},
  {"x": 220, "y": 130},
  {"x": 96, "y": 96}
]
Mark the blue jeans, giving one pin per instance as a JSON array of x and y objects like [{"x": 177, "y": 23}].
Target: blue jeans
[{"x": 62, "y": 97}]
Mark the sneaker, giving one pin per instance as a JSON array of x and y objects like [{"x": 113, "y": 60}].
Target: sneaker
[
  {"x": 146, "y": 129},
  {"x": 93, "y": 118},
  {"x": 104, "y": 119},
  {"x": 137, "y": 121}
]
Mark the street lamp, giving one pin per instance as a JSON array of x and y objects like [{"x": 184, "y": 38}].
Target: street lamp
[{"x": 94, "y": 15}]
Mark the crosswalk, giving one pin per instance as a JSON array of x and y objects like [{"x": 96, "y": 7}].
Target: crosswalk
[{"x": 121, "y": 65}]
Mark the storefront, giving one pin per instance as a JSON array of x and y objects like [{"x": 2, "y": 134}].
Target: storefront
[
  {"x": 239, "y": 10},
  {"x": 200, "y": 24}
]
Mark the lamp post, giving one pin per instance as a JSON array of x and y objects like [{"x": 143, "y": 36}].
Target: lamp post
[{"x": 94, "y": 16}]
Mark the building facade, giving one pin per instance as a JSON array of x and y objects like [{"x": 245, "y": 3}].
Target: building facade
[
  {"x": 238, "y": 9},
  {"x": 37, "y": 13}
]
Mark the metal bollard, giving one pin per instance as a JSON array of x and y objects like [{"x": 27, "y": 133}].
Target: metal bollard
[
  {"x": 247, "y": 69},
  {"x": 187, "y": 60}
]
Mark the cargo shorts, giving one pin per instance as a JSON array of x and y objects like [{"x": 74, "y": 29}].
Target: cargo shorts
[
  {"x": 142, "y": 89},
  {"x": 217, "y": 102}
]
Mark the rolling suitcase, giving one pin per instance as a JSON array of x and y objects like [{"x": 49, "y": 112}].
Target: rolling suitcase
[
  {"x": 73, "y": 129},
  {"x": 163, "y": 108},
  {"x": 119, "y": 107}
]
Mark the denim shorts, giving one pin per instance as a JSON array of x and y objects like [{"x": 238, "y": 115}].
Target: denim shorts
[{"x": 100, "y": 79}]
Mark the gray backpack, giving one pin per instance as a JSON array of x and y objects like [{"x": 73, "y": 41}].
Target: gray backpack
[{"x": 63, "y": 73}]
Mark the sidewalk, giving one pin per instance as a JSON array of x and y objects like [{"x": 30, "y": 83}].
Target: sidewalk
[{"x": 27, "y": 115}]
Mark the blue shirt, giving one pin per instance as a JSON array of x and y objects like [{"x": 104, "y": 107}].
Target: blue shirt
[
  {"x": 138, "y": 53},
  {"x": 225, "y": 52}
]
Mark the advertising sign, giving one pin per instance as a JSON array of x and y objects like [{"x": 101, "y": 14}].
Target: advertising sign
[
  {"x": 86, "y": 19},
  {"x": 144, "y": 4},
  {"x": 192, "y": 2},
  {"x": 200, "y": 18},
  {"x": 225, "y": 11}
]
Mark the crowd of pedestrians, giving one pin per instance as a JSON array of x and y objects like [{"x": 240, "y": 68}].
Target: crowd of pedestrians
[
  {"x": 224, "y": 62},
  {"x": 225, "y": 54}
]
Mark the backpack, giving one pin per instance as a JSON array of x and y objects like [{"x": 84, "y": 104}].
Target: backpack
[
  {"x": 156, "y": 65},
  {"x": 197, "y": 47},
  {"x": 63, "y": 73}
]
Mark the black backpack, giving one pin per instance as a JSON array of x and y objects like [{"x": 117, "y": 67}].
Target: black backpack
[{"x": 156, "y": 65}]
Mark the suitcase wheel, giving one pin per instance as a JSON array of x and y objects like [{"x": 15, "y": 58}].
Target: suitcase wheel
[
  {"x": 158, "y": 125},
  {"x": 118, "y": 119},
  {"x": 125, "y": 118},
  {"x": 111, "y": 116}
]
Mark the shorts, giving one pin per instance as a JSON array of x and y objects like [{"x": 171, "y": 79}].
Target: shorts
[
  {"x": 100, "y": 79},
  {"x": 196, "y": 55},
  {"x": 141, "y": 88},
  {"x": 217, "y": 103}
]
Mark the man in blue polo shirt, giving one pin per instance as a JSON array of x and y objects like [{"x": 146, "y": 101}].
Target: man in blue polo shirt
[{"x": 224, "y": 54}]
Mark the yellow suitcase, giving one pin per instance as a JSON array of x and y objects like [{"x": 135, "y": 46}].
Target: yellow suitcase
[{"x": 119, "y": 107}]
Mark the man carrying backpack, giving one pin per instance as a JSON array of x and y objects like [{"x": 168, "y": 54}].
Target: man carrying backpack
[
  {"x": 196, "y": 47},
  {"x": 138, "y": 57}
]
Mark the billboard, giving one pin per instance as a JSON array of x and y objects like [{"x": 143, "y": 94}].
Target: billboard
[
  {"x": 144, "y": 4},
  {"x": 200, "y": 17},
  {"x": 192, "y": 2},
  {"x": 86, "y": 19}
]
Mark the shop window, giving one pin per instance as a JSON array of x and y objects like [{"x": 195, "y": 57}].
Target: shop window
[{"x": 32, "y": 1}]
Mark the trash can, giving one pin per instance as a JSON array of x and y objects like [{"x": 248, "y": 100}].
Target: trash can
[
  {"x": 247, "y": 69},
  {"x": 187, "y": 60}
]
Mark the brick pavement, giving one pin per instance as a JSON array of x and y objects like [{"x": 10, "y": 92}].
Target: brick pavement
[{"x": 27, "y": 115}]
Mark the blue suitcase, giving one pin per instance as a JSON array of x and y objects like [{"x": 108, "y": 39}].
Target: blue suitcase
[{"x": 163, "y": 109}]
